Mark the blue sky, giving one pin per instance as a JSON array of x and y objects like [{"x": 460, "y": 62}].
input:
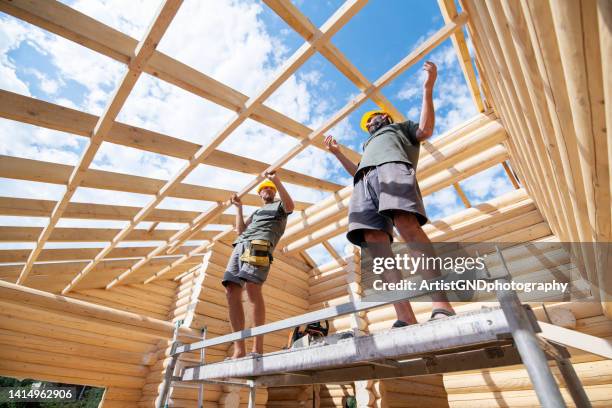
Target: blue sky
[{"x": 242, "y": 44}]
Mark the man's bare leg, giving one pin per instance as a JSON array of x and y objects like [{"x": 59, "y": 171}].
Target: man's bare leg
[
  {"x": 410, "y": 230},
  {"x": 233, "y": 293},
  {"x": 382, "y": 248},
  {"x": 257, "y": 312}
]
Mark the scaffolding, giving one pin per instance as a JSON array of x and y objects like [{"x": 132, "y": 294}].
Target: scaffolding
[{"x": 491, "y": 337}]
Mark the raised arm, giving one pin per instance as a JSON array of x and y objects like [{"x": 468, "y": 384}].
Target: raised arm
[
  {"x": 240, "y": 224},
  {"x": 428, "y": 115},
  {"x": 282, "y": 191},
  {"x": 334, "y": 149}
]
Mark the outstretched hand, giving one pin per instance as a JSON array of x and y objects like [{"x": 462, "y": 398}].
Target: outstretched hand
[
  {"x": 331, "y": 144},
  {"x": 271, "y": 175},
  {"x": 432, "y": 73},
  {"x": 236, "y": 200}
]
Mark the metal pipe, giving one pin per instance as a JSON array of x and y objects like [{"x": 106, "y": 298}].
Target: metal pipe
[
  {"x": 252, "y": 393},
  {"x": 573, "y": 383},
  {"x": 526, "y": 341}
]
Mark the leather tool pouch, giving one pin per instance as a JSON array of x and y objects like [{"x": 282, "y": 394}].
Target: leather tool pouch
[{"x": 257, "y": 253}]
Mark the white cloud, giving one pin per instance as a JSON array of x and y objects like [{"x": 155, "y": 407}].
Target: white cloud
[
  {"x": 452, "y": 99},
  {"x": 22, "y": 140},
  {"x": 492, "y": 182},
  {"x": 442, "y": 203}
]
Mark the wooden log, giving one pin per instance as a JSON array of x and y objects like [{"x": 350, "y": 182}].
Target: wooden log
[
  {"x": 51, "y": 345},
  {"x": 67, "y": 361},
  {"x": 121, "y": 394},
  {"x": 55, "y": 374},
  {"x": 79, "y": 322},
  {"x": 106, "y": 302},
  {"x": 598, "y": 396},
  {"x": 461, "y": 149},
  {"x": 53, "y": 331},
  {"x": 592, "y": 373},
  {"x": 24, "y": 295}
]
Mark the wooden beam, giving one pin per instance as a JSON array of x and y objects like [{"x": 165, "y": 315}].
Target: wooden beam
[
  {"x": 604, "y": 18},
  {"x": 462, "y": 195},
  {"x": 42, "y": 208},
  {"x": 408, "y": 61},
  {"x": 292, "y": 16},
  {"x": 141, "y": 54},
  {"x": 449, "y": 12},
  {"x": 74, "y": 254},
  {"x": 63, "y": 234},
  {"x": 572, "y": 338},
  {"x": 47, "y": 301},
  {"x": 40, "y": 113},
  {"x": 54, "y": 173},
  {"x": 341, "y": 17},
  {"x": 69, "y": 23},
  {"x": 332, "y": 251},
  {"x": 511, "y": 175}
]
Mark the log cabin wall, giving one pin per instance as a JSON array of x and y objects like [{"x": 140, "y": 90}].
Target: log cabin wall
[
  {"x": 59, "y": 339},
  {"x": 543, "y": 63}
]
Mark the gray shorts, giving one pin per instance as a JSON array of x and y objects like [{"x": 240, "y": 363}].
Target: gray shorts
[
  {"x": 240, "y": 272},
  {"x": 379, "y": 192}
]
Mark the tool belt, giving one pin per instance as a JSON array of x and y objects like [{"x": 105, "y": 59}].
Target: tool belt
[{"x": 257, "y": 252}]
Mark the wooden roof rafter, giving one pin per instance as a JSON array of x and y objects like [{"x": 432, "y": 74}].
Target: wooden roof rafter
[
  {"x": 45, "y": 114},
  {"x": 69, "y": 23},
  {"x": 304, "y": 27},
  {"x": 341, "y": 17},
  {"x": 142, "y": 53},
  {"x": 299, "y": 23},
  {"x": 426, "y": 47}
]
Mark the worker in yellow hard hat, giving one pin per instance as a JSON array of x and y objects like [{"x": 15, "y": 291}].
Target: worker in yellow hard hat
[
  {"x": 250, "y": 260},
  {"x": 386, "y": 192}
]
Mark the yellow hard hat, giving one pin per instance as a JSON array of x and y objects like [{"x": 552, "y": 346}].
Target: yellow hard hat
[
  {"x": 264, "y": 184},
  {"x": 366, "y": 116}
]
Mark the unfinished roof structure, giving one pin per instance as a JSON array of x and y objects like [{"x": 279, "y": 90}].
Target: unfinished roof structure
[{"x": 104, "y": 316}]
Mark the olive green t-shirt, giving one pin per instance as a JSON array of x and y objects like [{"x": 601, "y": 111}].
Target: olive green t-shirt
[
  {"x": 267, "y": 222},
  {"x": 396, "y": 142}
]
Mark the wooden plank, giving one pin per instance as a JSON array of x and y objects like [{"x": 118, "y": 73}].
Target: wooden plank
[
  {"x": 69, "y": 23},
  {"x": 73, "y": 254},
  {"x": 349, "y": 9},
  {"x": 49, "y": 345},
  {"x": 40, "y": 113},
  {"x": 604, "y": 18},
  {"x": 30, "y": 234},
  {"x": 54, "y": 173},
  {"x": 142, "y": 52},
  {"x": 449, "y": 12},
  {"x": 511, "y": 175},
  {"x": 48, "y": 301},
  {"x": 42, "y": 208},
  {"x": 576, "y": 339}
]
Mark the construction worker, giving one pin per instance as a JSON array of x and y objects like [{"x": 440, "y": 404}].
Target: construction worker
[
  {"x": 249, "y": 263},
  {"x": 386, "y": 192}
]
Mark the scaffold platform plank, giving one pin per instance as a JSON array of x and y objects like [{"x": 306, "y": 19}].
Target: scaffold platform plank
[{"x": 474, "y": 336}]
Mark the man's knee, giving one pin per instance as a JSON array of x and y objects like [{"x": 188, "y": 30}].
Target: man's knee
[
  {"x": 376, "y": 236},
  {"x": 254, "y": 290},
  {"x": 406, "y": 221},
  {"x": 233, "y": 291}
]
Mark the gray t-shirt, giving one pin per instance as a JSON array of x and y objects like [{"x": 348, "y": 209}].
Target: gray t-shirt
[
  {"x": 396, "y": 142},
  {"x": 267, "y": 222}
]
